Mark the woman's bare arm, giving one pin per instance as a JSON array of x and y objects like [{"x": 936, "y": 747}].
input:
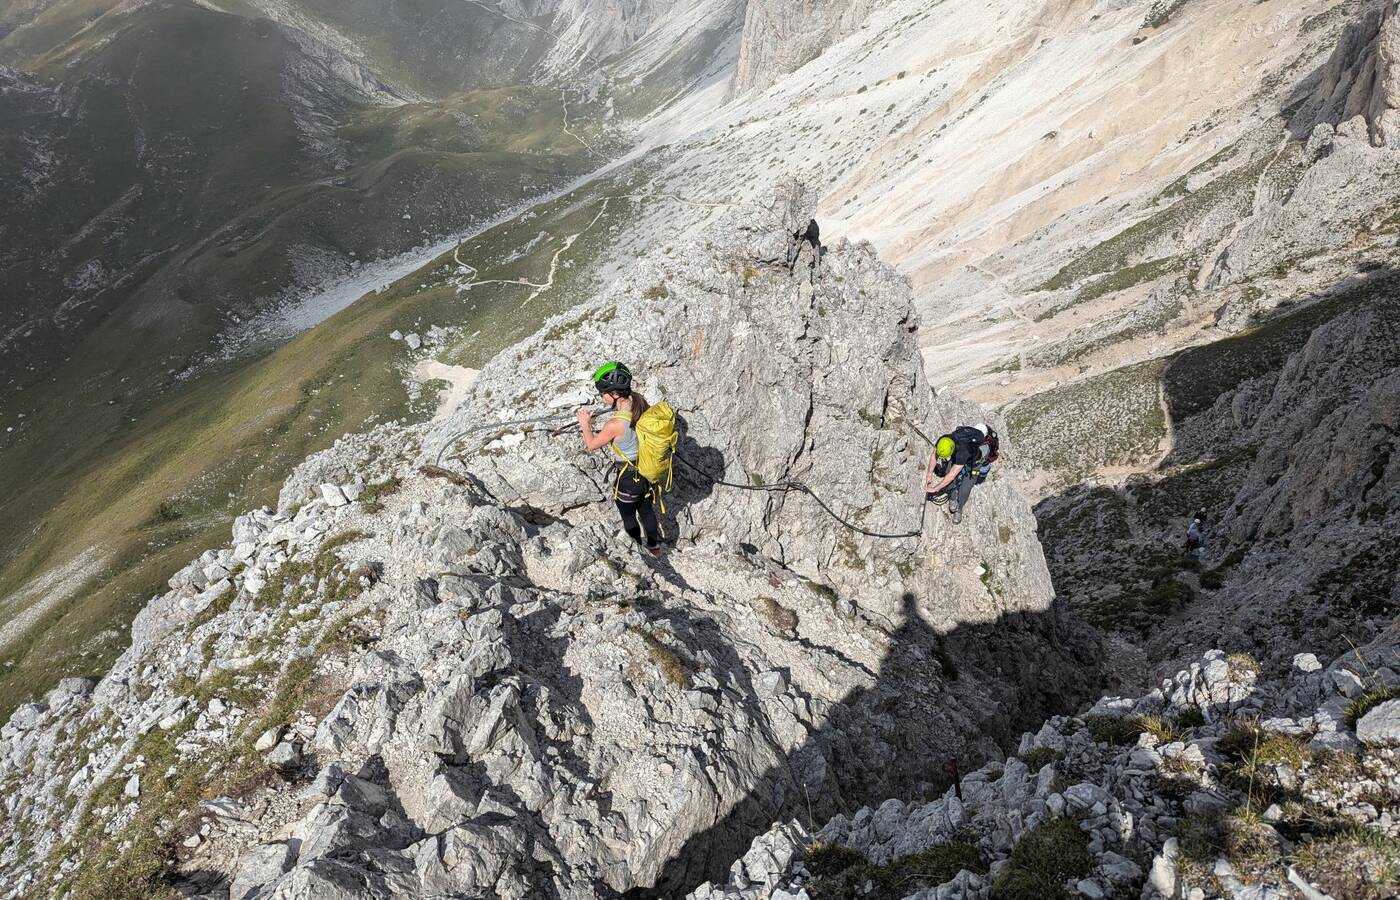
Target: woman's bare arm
[{"x": 592, "y": 440}]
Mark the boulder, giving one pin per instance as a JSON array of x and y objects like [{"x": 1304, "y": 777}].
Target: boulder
[
  {"x": 260, "y": 866},
  {"x": 269, "y": 738},
  {"x": 1380, "y": 727},
  {"x": 285, "y": 756}
]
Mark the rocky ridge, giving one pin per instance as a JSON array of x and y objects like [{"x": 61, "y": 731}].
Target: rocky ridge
[
  {"x": 435, "y": 670},
  {"x": 1217, "y": 783}
]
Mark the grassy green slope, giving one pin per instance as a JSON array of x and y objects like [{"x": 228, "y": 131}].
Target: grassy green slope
[{"x": 167, "y": 486}]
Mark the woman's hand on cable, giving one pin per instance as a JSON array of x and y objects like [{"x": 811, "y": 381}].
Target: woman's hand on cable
[{"x": 584, "y": 416}]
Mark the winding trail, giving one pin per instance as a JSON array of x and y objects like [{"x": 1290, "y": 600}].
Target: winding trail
[
  {"x": 564, "y": 101},
  {"x": 469, "y": 271},
  {"x": 569, "y": 240}
]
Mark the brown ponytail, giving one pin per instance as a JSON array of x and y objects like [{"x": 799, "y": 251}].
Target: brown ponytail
[{"x": 639, "y": 406}]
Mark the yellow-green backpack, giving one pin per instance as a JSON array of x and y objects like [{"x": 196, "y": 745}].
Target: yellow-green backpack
[{"x": 657, "y": 438}]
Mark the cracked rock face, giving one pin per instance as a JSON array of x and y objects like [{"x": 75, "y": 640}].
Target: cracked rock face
[
  {"x": 473, "y": 685},
  {"x": 779, "y": 38}
]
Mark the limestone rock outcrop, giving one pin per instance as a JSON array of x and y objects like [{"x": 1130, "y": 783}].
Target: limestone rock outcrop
[
  {"x": 1362, "y": 79},
  {"x": 439, "y": 669},
  {"x": 779, "y": 38}
]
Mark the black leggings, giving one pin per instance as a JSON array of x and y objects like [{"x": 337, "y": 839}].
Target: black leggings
[{"x": 634, "y": 505}]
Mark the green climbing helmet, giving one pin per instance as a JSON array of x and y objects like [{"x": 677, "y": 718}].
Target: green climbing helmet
[
  {"x": 944, "y": 447},
  {"x": 612, "y": 376}
]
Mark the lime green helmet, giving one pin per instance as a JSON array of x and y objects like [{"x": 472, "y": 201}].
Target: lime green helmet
[
  {"x": 613, "y": 376},
  {"x": 944, "y": 447}
]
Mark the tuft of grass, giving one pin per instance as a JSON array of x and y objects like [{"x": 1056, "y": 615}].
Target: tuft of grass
[
  {"x": 1040, "y": 757},
  {"x": 1252, "y": 757},
  {"x": 657, "y": 291},
  {"x": 1246, "y": 742},
  {"x": 346, "y": 633},
  {"x": 371, "y": 499},
  {"x": 290, "y": 585},
  {"x": 1239, "y": 835},
  {"x": 1043, "y": 860},
  {"x": 432, "y": 471},
  {"x": 671, "y": 666},
  {"x": 1164, "y": 731},
  {"x": 229, "y": 686},
  {"x": 1242, "y": 663}
]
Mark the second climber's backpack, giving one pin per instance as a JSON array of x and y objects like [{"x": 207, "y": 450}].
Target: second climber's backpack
[
  {"x": 657, "y": 438},
  {"x": 984, "y": 439}
]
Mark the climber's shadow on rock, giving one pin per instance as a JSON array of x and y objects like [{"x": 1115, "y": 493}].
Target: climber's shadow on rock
[
  {"x": 902, "y": 735},
  {"x": 694, "y": 470}
]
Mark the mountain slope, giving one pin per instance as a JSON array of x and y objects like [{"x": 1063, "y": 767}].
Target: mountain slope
[
  {"x": 177, "y": 187},
  {"x": 584, "y": 722}
]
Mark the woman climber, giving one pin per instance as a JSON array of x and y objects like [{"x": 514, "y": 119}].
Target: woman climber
[{"x": 632, "y": 491}]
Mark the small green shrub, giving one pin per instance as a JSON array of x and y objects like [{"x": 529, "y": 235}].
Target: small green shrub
[
  {"x": 1114, "y": 730},
  {"x": 1040, "y": 757},
  {"x": 1190, "y": 717},
  {"x": 826, "y": 860},
  {"x": 1043, "y": 860},
  {"x": 841, "y": 873}
]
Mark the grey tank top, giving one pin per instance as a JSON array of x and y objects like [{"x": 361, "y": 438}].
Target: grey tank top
[{"x": 626, "y": 444}]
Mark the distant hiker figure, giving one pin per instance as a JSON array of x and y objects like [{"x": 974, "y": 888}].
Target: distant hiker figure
[
  {"x": 809, "y": 236},
  {"x": 960, "y": 460},
  {"x": 643, "y": 436},
  {"x": 1195, "y": 537}
]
